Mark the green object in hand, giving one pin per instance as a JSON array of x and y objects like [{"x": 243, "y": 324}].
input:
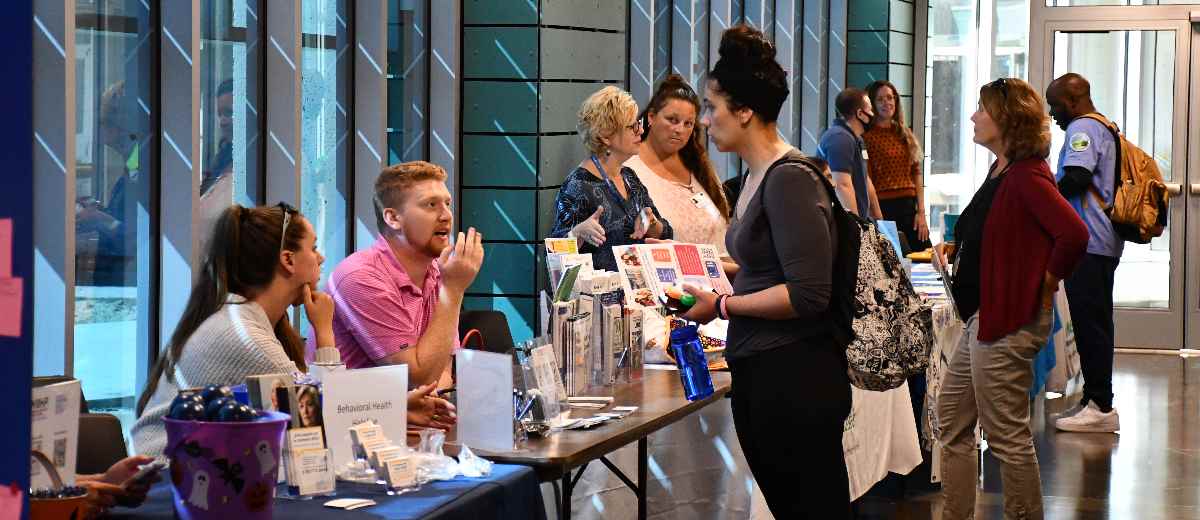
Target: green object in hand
[{"x": 687, "y": 300}]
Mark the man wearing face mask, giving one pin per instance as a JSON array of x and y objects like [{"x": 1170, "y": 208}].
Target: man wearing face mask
[{"x": 842, "y": 147}]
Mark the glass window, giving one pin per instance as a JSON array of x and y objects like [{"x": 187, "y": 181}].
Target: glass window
[
  {"x": 1071, "y": 3},
  {"x": 408, "y": 81},
  {"x": 113, "y": 213},
  {"x": 966, "y": 50},
  {"x": 951, "y": 155},
  {"x": 230, "y": 148},
  {"x": 325, "y": 146}
]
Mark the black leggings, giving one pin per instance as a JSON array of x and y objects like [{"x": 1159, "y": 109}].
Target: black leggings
[
  {"x": 903, "y": 212},
  {"x": 789, "y": 407}
]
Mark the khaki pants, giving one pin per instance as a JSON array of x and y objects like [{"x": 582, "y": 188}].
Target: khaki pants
[{"x": 989, "y": 382}]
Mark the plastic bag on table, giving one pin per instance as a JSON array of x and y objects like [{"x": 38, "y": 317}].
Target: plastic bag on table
[
  {"x": 432, "y": 463},
  {"x": 472, "y": 465}
]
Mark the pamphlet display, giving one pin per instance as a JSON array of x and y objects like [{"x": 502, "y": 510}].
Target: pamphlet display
[
  {"x": 55, "y": 426},
  {"x": 357, "y": 396}
]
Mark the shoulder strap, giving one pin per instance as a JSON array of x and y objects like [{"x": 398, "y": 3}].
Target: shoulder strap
[
  {"x": 816, "y": 172},
  {"x": 1117, "y": 138}
]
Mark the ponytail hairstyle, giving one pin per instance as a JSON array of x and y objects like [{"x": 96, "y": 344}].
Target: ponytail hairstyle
[
  {"x": 898, "y": 125},
  {"x": 694, "y": 154},
  {"x": 241, "y": 258}
]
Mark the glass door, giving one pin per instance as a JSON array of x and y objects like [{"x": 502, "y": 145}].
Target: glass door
[{"x": 1139, "y": 72}]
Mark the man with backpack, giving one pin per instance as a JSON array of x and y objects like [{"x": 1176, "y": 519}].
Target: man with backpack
[{"x": 1087, "y": 171}]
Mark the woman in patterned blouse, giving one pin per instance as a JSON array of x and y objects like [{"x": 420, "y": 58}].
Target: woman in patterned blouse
[
  {"x": 601, "y": 202},
  {"x": 673, "y": 164},
  {"x": 894, "y": 166}
]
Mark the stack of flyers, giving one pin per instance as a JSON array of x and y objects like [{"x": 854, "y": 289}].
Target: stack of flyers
[
  {"x": 577, "y": 332},
  {"x": 561, "y": 254},
  {"x": 558, "y": 263},
  {"x": 561, "y": 245},
  {"x": 613, "y": 342},
  {"x": 629, "y": 364},
  {"x": 558, "y": 320}
]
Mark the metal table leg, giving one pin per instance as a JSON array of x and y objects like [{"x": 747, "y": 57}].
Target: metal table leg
[{"x": 641, "y": 489}]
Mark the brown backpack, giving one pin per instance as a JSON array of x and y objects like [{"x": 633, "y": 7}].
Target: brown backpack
[{"x": 1139, "y": 209}]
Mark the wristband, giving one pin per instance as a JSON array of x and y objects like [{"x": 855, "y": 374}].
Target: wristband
[{"x": 722, "y": 310}]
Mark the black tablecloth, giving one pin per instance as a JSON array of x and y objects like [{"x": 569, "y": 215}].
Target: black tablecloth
[{"x": 510, "y": 492}]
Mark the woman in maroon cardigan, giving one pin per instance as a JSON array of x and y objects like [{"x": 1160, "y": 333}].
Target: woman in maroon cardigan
[{"x": 1015, "y": 240}]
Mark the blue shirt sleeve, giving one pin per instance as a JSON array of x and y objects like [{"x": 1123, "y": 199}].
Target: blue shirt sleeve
[
  {"x": 1086, "y": 141},
  {"x": 837, "y": 149}
]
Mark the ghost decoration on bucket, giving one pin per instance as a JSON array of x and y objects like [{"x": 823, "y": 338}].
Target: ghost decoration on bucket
[
  {"x": 266, "y": 458},
  {"x": 199, "y": 496}
]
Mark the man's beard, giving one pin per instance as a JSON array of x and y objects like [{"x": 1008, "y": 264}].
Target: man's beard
[{"x": 433, "y": 248}]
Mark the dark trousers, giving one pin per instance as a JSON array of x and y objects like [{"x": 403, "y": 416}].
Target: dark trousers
[
  {"x": 903, "y": 212},
  {"x": 1090, "y": 296},
  {"x": 789, "y": 407}
]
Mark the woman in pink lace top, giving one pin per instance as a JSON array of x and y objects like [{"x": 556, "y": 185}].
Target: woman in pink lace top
[{"x": 673, "y": 164}]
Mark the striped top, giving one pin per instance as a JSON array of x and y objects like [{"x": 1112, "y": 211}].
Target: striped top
[
  {"x": 378, "y": 310},
  {"x": 890, "y": 164},
  {"x": 234, "y": 343}
]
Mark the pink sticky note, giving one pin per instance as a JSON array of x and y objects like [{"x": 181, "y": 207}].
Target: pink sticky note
[
  {"x": 6, "y": 232},
  {"x": 11, "y": 501},
  {"x": 10, "y": 307}
]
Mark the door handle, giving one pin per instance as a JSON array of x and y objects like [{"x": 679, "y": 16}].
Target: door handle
[
  {"x": 1196, "y": 188},
  {"x": 1174, "y": 189}
]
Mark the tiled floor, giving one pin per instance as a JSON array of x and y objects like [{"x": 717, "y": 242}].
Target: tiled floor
[{"x": 1150, "y": 471}]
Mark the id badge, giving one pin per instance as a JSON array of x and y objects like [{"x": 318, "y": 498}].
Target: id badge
[
  {"x": 701, "y": 200},
  {"x": 864, "y": 154}
]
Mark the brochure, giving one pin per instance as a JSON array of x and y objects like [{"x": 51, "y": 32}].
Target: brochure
[{"x": 647, "y": 269}]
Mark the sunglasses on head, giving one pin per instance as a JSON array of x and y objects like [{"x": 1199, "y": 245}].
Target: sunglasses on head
[
  {"x": 287, "y": 210},
  {"x": 1001, "y": 85}
]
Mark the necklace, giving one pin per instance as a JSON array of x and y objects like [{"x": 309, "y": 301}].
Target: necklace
[{"x": 690, "y": 185}]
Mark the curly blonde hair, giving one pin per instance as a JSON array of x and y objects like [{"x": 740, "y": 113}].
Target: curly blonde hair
[
  {"x": 603, "y": 114},
  {"x": 1020, "y": 114}
]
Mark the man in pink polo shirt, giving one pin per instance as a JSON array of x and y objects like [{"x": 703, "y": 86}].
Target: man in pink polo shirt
[{"x": 398, "y": 301}]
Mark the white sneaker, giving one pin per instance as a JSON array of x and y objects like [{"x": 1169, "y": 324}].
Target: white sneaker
[
  {"x": 1070, "y": 412},
  {"x": 1090, "y": 420}
]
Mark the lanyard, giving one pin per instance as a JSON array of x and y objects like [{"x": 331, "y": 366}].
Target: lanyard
[{"x": 612, "y": 189}]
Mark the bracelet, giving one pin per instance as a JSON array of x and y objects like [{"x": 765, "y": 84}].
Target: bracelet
[{"x": 722, "y": 310}]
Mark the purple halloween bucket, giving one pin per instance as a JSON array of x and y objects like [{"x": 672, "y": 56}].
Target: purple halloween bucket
[{"x": 224, "y": 470}]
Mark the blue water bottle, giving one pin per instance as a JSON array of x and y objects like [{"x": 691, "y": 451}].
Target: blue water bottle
[{"x": 693, "y": 367}]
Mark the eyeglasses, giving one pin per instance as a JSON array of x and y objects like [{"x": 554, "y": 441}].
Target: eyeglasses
[
  {"x": 637, "y": 127},
  {"x": 1001, "y": 85},
  {"x": 287, "y": 210}
]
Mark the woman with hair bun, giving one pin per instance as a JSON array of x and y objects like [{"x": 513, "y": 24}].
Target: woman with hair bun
[
  {"x": 791, "y": 395},
  {"x": 672, "y": 162}
]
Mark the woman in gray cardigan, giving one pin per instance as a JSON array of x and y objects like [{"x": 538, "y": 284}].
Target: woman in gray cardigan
[
  {"x": 259, "y": 262},
  {"x": 791, "y": 395}
]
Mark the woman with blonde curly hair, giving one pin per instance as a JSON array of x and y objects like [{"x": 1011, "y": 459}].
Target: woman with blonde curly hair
[
  {"x": 1015, "y": 241},
  {"x": 601, "y": 202}
]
